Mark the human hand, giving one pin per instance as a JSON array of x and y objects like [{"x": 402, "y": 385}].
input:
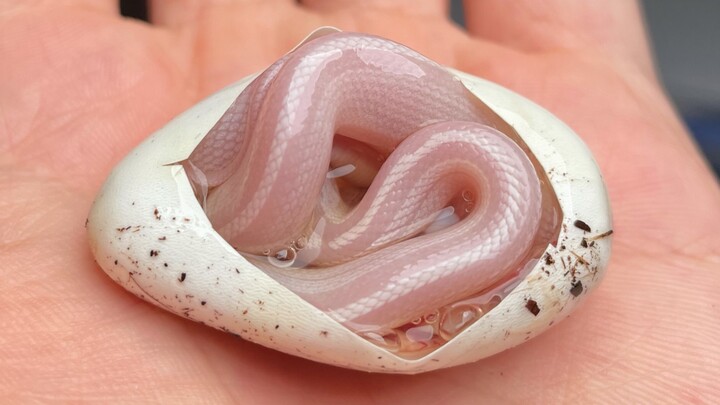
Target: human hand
[{"x": 80, "y": 86}]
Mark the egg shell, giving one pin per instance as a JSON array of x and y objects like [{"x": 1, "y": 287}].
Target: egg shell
[{"x": 149, "y": 233}]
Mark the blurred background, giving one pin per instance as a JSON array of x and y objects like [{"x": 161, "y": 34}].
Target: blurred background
[{"x": 686, "y": 41}]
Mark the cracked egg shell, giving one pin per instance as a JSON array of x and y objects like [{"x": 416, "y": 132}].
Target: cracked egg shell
[{"x": 149, "y": 233}]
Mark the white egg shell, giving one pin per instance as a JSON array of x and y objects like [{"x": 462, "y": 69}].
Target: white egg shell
[{"x": 149, "y": 233}]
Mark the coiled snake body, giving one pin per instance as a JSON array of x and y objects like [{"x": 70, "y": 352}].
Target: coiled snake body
[{"x": 266, "y": 163}]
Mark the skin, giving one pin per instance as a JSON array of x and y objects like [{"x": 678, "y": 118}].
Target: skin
[{"x": 80, "y": 86}]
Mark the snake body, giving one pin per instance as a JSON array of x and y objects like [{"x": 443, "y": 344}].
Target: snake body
[{"x": 372, "y": 263}]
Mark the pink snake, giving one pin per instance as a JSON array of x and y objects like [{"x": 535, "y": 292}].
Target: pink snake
[{"x": 266, "y": 163}]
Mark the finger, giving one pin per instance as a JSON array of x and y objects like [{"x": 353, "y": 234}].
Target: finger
[
  {"x": 176, "y": 13},
  {"x": 425, "y": 7},
  {"x": 173, "y": 13},
  {"x": 105, "y": 6},
  {"x": 614, "y": 27}
]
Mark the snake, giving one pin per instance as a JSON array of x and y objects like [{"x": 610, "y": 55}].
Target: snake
[{"x": 375, "y": 174}]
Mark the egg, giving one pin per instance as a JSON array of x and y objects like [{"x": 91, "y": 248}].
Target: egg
[{"x": 149, "y": 232}]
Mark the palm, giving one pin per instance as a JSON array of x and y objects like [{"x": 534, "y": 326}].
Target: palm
[{"x": 82, "y": 87}]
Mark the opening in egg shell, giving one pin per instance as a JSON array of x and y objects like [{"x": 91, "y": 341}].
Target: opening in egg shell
[{"x": 369, "y": 181}]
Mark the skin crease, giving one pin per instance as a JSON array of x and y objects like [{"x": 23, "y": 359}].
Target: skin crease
[{"x": 80, "y": 86}]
